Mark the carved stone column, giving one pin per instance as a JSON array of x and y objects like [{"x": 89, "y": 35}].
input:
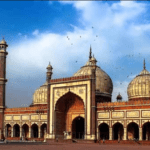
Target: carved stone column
[
  {"x": 140, "y": 134},
  {"x": 39, "y": 132},
  {"x": 20, "y": 131},
  {"x": 110, "y": 133},
  {"x": 125, "y": 134},
  {"x": 29, "y": 132},
  {"x": 12, "y": 132},
  {"x": 98, "y": 134}
]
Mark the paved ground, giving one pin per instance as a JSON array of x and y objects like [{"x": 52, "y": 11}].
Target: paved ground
[{"x": 71, "y": 147}]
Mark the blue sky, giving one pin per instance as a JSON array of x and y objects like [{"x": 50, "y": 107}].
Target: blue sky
[{"x": 37, "y": 31}]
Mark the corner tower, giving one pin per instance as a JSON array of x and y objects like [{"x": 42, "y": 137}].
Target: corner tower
[{"x": 3, "y": 80}]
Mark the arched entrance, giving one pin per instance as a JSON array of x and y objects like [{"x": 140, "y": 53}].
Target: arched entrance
[
  {"x": 118, "y": 131},
  {"x": 133, "y": 131},
  {"x": 146, "y": 131},
  {"x": 43, "y": 130},
  {"x": 104, "y": 131},
  {"x": 8, "y": 130},
  {"x": 78, "y": 128},
  {"x": 16, "y": 130},
  {"x": 34, "y": 131},
  {"x": 25, "y": 130},
  {"x": 66, "y": 108}
]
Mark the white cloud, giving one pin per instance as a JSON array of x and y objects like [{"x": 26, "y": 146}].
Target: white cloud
[
  {"x": 36, "y": 32},
  {"x": 108, "y": 28}
]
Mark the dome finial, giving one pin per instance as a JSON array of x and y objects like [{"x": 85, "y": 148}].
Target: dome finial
[
  {"x": 90, "y": 53},
  {"x": 144, "y": 67}
]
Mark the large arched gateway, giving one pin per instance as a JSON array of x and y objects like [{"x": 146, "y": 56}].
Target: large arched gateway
[{"x": 67, "y": 108}]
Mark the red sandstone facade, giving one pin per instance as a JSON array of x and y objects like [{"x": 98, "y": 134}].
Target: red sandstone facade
[{"x": 77, "y": 107}]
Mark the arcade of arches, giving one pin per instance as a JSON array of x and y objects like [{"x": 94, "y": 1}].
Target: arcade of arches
[
  {"x": 68, "y": 112},
  {"x": 25, "y": 131},
  {"x": 118, "y": 131},
  {"x": 89, "y": 114}
]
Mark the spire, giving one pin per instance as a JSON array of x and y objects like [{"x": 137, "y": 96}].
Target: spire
[
  {"x": 90, "y": 54},
  {"x": 144, "y": 67}
]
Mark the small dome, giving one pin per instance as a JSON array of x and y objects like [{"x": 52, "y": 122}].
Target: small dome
[
  {"x": 104, "y": 83},
  {"x": 3, "y": 41},
  {"x": 139, "y": 87},
  {"x": 49, "y": 67},
  {"x": 40, "y": 95},
  {"x": 119, "y": 97},
  {"x": 93, "y": 59}
]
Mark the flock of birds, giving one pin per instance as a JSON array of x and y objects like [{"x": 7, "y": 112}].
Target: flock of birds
[{"x": 113, "y": 66}]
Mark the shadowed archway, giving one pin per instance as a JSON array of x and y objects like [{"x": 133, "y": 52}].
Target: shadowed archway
[
  {"x": 146, "y": 131},
  {"x": 133, "y": 131},
  {"x": 25, "y": 130},
  {"x": 43, "y": 130},
  {"x": 8, "y": 130},
  {"x": 78, "y": 128},
  {"x": 66, "y": 107},
  {"x": 16, "y": 130},
  {"x": 34, "y": 131},
  {"x": 118, "y": 131},
  {"x": 104, "y": 131}
]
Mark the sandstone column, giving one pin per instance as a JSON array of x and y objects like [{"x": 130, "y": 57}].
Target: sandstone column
[
  {"x": 140, "y": 134},
  {"x": 12, "y": 132},
  {"x": 20, "y": 131},
  {"x": 125, "y": 134},
  {"x": 39, "y": 132},
  {"x": 29, "y": 132},
  {"x": 110, "y": 133}
]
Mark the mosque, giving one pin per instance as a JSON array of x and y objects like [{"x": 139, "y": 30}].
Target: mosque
[{"x": 78, "y": 107}]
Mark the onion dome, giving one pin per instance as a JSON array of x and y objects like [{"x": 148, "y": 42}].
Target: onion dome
[
  {"x": 40, "y": 95},
  {"x": 119, "y": 97},
  {"x": 104, "y": 85},
  {"x": 3, "y": 41},
  {"x": 139, "y": 87}
]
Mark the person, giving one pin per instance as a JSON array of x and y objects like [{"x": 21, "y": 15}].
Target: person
[{"x": 103, "y": 140}]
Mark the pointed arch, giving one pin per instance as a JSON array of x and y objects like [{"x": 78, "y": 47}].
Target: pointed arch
[
  {"x": 64, "y": 96},
  {"x": 132, "y": 131},
  {"x": 103, "y": 131},
  {"x": 118, "y": 131},
  {"x": 16, "y": 130},
  {"x": 67, "y": 106},
  {"x": 43, "y": 130},
  {"x": 34, "y": 131},
  {"x": 25, "y": 130},
  {"x": 8, "y": 128},
  {"x": 146, "y": 131}
]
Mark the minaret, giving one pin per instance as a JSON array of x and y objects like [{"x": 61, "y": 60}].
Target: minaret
[
  {"x": 93, "y": 97},
  {"x": 49, "y": 72},
  {"x": 3, "y": 80},
  {"x": 48, "y": 79}
]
